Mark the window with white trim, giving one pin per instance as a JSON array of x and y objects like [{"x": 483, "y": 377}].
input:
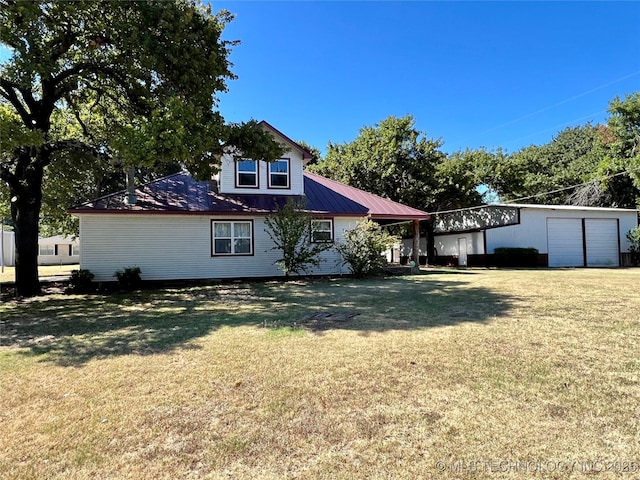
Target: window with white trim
[
  {"x": 47, "y": 250},
  {"x": 232, "y": 238},
  {"x": 247, "y": 173},
  {"x": 75, "y": 250},
  {"x": 321, "y": 231},
  {"x": 279, "y": 173}
]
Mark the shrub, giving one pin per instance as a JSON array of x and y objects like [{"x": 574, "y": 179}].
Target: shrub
[
  {"x": 82, "y": 281},
  {"x": 290, "y": 229},
  {"x": 364, "y": 247},
  {"x": 633, "y": 236},
  {"x": 129, "y": 278},
  {"x": 516, "y": 257}
]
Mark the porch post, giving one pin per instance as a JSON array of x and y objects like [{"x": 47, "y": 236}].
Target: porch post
[{"x": 416, "y": 246}]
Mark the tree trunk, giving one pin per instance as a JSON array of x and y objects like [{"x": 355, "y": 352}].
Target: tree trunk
[
  {"x": 431, "y": 243},
  {"x": 416, "y": 246},
  {"x": 25, "y": 212}
]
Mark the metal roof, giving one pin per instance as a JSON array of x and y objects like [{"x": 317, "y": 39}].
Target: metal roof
[
  {"x": 561, "y": 207},
  {"x": 182, "y": 194},
  {"x": 377, "y": 207}
]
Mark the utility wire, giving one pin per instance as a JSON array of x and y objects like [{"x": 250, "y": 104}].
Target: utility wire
[
  {"x": 572, "y": 186},
  {"x": 506, "y": 202},
  {"x": 557, "y": 104}
]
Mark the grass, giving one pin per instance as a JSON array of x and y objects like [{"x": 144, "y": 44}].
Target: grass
[
  {"x": 9, "y": 273},
  {"x": 538, "y": 367}
]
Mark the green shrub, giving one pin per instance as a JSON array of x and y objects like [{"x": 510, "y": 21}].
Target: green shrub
[
  {"x": 364, "y": 247},
  {"x": 515, "y": 257},
  {"x": 633, "y": 236},
  {"x": 129, "y": 278},
  {"x": 290, "y": 229},
  {"x": 82, "y": 281}
]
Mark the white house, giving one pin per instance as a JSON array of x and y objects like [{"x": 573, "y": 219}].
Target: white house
[
  {"x": 565, "y": 236},
  {"x": 179, "y": 228},
  {"x": 55, "y": 250},
  {"x": 58, "y": 250}
]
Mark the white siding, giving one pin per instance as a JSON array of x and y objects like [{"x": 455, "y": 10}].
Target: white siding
[
  {"x": 447, "y": 245},
  {"x": 8, "y": 250},
  {"x": 407, "y": 247},
  {"x": 228, "y": 181},
  {"x": 179, "y": 247},
  {"x": 62, "y": 245},
  {"x": 532, "y": 230}
]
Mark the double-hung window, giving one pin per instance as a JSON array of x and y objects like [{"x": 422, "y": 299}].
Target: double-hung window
[
  {"x": 279, "y": 173},
  {"x": 47, "y": 250},
  {"x": 247, "y": 173},
  {"x": 321, "y": 231},
  {"x": 232, "y": 237}
]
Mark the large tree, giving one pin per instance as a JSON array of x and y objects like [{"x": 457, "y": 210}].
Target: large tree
[
  {"x": 621, "y": 163},
  {"x": 395, "y": 160},
  {"x": 591, "y": 165},
  {"x": 132, "y": 83},
  {"x": 568, "y": 159}
]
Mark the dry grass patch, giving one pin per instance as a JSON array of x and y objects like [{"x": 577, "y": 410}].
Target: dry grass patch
[
  {"x": 64, "y": 271},
  {"x": 528, "y": 366}
]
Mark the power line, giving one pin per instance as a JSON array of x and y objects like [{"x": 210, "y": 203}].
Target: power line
[
  {"x": 540, "y": 194},
  {"x": 573, "y": 186},
  {"x": 557, "y": 104}
]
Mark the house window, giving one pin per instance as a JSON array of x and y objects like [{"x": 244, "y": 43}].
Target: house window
[
  {"x": 321, "y": 231},
  {"x": 47, "y": 250},
  {"x": 279, "y": 173},
  {"x": 75, "y": 250},
  {"x": 232, "y": 238},
  {"x": 247, "y": 173}
]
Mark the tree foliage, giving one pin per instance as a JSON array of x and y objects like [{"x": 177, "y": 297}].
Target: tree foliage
[
  {"x": 621, "y": 138},
  {"x": 316, "y": 155},
  {"x": 633, "y": 236},
  {"x": 129, "y": 83},
  {"x": 395, "y": 160},
  {"x": 289, "y": 228},
  {"x": 589, "y": 165},
  {"x": 364, "y": 247}
]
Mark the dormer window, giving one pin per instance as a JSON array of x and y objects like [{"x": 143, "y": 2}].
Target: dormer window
[
  {"x": 279, "y": 173},
  {"x": 247, "y": 173}
]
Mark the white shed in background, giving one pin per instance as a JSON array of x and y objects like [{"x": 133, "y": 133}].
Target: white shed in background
[
  {"x": 7, "y": 248},
  {"x": 565, "y": 236}
]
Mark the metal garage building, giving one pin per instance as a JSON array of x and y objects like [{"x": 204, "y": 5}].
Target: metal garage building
[{"x": 565, "y": 236}]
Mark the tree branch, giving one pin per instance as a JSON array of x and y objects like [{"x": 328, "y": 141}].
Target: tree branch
[
  {"x": 76, "y": 114},
  {"x": 8, "y": 91},
  {"x": 75, "y": 145}
]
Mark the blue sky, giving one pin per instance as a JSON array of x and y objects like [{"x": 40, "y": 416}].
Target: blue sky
[{"x": 492, "y": 74}]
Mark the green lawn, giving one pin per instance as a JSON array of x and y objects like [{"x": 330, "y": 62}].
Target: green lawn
[{"x": 513, "y": 374}]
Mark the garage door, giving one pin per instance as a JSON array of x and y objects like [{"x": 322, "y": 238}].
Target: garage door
[
  {"x": 601, "y": 237},
  {"x": 564, "y": 242}
]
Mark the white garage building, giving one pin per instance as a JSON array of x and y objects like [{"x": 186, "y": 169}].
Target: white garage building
[{"x": 565, "y": 236}]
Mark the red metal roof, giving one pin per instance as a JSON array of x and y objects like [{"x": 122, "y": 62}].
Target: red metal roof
[
  {"x": 377, "y": 207},
  {"x": 181, "y": 194}
]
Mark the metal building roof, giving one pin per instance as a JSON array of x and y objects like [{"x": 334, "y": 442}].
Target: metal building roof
[{"x": 182, "y": 194}]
